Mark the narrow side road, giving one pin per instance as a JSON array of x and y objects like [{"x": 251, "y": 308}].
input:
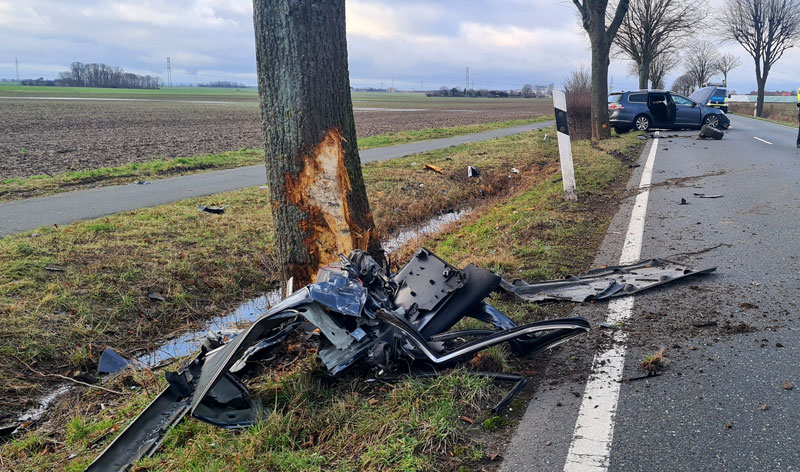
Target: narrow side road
[{"x": 25, "y": 215}]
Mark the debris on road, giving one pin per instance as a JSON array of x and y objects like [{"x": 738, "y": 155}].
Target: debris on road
[
  {"x": 705, "y": 324},
  {"x": 705, "y": 195},
  {"x": 141, "y": 182},
  {"x": 710, "y": 132},
  {"x": 434, "y": 168},
  {"x": 217, "y": 210},
  {"x": 365, "y": 316},
  {"x": 683, "y": 202},
  {"x": 652, "y": 363},
  {"x": 787, "y": 385},
  {"x": 604, "y": 283}
]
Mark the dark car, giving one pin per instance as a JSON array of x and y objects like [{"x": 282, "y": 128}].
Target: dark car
[
  {"x": 646, "y": 109},
  {"x": 711, "y": 96}
]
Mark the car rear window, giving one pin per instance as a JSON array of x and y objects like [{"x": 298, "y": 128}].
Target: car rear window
[
  {"x": 637, "y": 98},
  {"x": 615, "y": 98}
]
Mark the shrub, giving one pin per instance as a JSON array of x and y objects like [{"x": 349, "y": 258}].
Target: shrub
[{"x": 578, "y": 89}]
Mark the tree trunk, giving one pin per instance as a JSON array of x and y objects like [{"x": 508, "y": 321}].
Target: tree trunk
[
  {"x": 319, "y": 203},
  {"x": 600, "y": 124},
  {"x": 644, "y": 74},
  {"x": 762, "y": 82}
]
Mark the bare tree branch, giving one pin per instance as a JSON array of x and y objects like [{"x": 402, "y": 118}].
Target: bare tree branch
[
  {"x": 655, "y": 27},
  {"x": 701, "y": 62},
  {"x": 765, "y": 29}
]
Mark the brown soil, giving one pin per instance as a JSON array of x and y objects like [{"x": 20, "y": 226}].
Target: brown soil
[{"x": 54, "y": 136}]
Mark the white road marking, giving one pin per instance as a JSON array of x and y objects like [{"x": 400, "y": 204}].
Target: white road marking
[
  {"x": 762, "y": 140},
  {"x": 590, "y": 448}
]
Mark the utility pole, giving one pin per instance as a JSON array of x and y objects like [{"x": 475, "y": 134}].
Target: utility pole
[
  {"x": 169, "y": 73},
  {"x": 466, "y": 86},
  {"x": 16, "y": 66}
]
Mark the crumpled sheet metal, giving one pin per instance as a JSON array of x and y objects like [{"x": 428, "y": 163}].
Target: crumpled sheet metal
[
  {"x": 605, "y": 283},
  {"x": 397, "y": 320},
  {"x": 377, "y": 320}
]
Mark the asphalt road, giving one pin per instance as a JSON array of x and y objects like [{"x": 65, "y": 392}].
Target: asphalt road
[
  {"x": 66, "y": 208},
  {"x": 720, "y": 403}
]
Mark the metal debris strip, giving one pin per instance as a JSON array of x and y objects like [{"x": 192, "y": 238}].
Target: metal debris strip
[
  {"x": 381, "y": 322},
  {"x": 605, "y": 283},
  {"x": 217, "y": 210},
  {"x": 366, "y": 316}
]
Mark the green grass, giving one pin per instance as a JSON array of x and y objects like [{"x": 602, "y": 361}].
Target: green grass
[
  {"x": 777, "y": 122},
  {"x": 39, "y": 185},
  {"x": 204, "y": 264},
  {"x": 391, "y": 139}
]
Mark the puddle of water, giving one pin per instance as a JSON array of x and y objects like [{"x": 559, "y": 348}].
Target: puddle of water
[
  {"x": 190, "y": 342},
  {"x": 432, "y": 226}
]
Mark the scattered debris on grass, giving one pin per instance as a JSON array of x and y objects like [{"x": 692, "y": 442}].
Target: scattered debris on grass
[
  {"x": 434, "y": 168},
  {"x": 217, "y": 210}
]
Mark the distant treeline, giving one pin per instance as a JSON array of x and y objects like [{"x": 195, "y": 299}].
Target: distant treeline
[
  {"x": 454, "y": 92},
  {"x": 223, "y": 84},
  {"x": 98, "y": 75}
]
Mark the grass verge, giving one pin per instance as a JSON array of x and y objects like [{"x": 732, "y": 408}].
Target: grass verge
[
  {"x": 45, "y": 184},
  {"x": 777, "y": 122},
  {"x": 204, "y": 264}
]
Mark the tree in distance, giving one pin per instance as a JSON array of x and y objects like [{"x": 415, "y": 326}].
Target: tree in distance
[
  {"x": 725, "y": 64},
  {"x": 319, "y": 202},
  {"x": 653, "y": 28},
  {"x": 702, "y": 63},
  {"x": 593, "y": 19},
  {"x": 765, "y": 29}
]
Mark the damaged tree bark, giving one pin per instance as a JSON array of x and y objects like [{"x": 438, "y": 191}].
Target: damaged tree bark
[{"x": 319, "y": 203}]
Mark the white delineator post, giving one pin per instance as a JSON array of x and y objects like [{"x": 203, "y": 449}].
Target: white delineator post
[{"x": 564, "y": 145}]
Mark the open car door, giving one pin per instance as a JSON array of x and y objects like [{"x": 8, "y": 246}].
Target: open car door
[{"x": 662, "y": 108}]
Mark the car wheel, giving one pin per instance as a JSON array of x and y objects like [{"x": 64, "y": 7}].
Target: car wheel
[
  {"x": 712, "y": 121},
  {"x": 641, "y": 123}
]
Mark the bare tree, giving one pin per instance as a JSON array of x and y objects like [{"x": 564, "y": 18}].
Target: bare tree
[
  {"x": 654, "y": 27},
  {"x": 318, "y": 199},
  {"x": 765, "y": 29},
  {"x": 593, "y": 19},
  {"x": 660, "y": 67},
  {"x": 683, "y": 85},
  {"x": 726, "y": 63},
  {"x": 701, "y": 62}
]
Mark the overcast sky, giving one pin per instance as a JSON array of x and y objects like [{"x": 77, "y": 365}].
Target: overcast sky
[{"x": 505, "y": 43}]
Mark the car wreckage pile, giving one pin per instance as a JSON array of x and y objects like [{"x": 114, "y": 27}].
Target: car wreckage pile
[{"x": 374, "y": 319}]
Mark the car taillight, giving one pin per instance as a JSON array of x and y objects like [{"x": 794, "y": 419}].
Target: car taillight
[{"x": 615, "y": 106}]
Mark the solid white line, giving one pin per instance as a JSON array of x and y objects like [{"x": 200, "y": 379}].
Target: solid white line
[
  {"x": 762, "y": 140},
  {"x": 594, "y": 429}
]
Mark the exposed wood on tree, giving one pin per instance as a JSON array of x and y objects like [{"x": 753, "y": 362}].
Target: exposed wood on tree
[
  {"x": 593, "y": 19},
  {"x": 319, "y": 202},
  {"x": 765, "y": 29}
]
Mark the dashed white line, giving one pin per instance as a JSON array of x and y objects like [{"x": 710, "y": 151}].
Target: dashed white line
[
  {"x": 762, "y": 140},
  {"x": 590, "y": 448}
]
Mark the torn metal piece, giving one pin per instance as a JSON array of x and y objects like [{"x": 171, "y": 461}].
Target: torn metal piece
[
  {"x": 705, "y": 195},
  {"x": 111, "y": 362},
  {"x": 218, "y": 210},
  {"x": 473, "y": 172},
  {"x": 363, "y": 315},
  {"x": 601, "y": 284}
]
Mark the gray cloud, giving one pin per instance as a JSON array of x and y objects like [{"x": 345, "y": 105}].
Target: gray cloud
[{"x": 506, "y": 43}]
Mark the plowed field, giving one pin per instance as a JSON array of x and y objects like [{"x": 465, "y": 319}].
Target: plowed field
[{"x": 51, "y": 133}]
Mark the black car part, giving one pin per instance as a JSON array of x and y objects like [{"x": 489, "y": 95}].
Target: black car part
[{"x": 365, "y": 314}]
